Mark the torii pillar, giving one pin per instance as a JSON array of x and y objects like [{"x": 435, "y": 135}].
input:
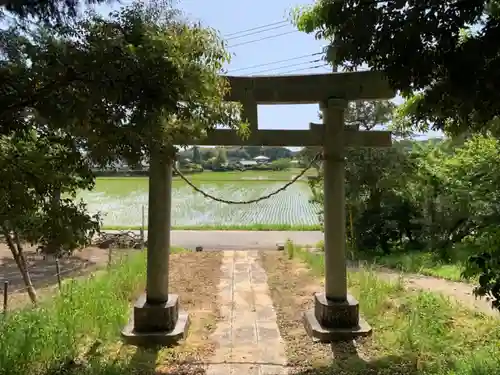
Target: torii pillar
[
  {"x": 157, "y": 317},
  {"x": 335, "y": 316}
]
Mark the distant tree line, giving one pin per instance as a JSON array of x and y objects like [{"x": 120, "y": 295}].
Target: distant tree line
[
  {"x": 200, "y": 154},
  {"x": 222, "y": 158}
]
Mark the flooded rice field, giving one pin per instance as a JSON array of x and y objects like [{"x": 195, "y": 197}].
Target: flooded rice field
[{"x": 120, "y": 201}]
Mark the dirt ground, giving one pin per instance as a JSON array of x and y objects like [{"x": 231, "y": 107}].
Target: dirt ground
[
  {"x": 43, "y": 272},
  {"x": 194, "y": 277},
  {"x": 292, "y": 296}
]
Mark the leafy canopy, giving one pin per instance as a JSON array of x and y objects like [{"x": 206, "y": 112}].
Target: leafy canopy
[
  {"x": 98, "y": 90},
  {"x": 119, "y": 83},
  {"x": 445, "y": 50},
  {"x": 33, "y": 167},
  {"x": 47, "y": 10}
]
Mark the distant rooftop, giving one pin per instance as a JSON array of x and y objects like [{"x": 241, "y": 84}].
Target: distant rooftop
[{"x": 247, "y": 162}]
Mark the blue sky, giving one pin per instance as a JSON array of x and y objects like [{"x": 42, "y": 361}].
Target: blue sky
[{"x": 230, "y": 17}]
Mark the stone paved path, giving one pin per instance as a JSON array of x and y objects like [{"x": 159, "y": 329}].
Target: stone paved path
[{"x": 247, "y": 334}]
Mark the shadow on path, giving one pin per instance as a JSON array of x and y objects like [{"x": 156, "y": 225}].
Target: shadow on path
[
  {"x": 347, "y": 361},
  {"x": 145, "y": 361}
]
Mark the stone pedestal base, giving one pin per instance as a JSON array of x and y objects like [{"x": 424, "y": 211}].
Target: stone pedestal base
[
  {"x": 331, "y": 321},
  {"x": 156, "y": 324}
]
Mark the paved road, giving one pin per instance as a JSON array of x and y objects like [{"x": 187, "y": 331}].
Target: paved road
[{"x": 240, "y": 240}]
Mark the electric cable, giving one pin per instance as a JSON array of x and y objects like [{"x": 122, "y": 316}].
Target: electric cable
[
  {"x": 261, "y": 39},
  {"x": 254, "y": 28},
  {"x": 300, "y": 69},
  {"x": 287, "y": 66},
  {"x": 256, "y": 32},
  {"x": 276, "y": 62}
]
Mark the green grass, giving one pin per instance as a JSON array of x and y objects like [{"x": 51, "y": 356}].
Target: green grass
[
  {"x": 418, "y": 262},
  {"x": 251, "y": 227},
  {"x": 424, "y": 263},
  {"x": 414, "y": 332},
  {"x": 39, "y": 340}
]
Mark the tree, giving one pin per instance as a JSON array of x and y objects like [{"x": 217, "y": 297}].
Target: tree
[
  {"x": 33, "y": 167},
  {"x": 366, "y": 173},
  {"x": 237, "y": 152},
  {"x": 275, "y": 153},
  {"x": 444, "y": 58},
  {"x": 129, "y": 87},
  {"x": 58, "y": 10},
  {"x": 220, "y": 158},
  {"x": 446, "y": 51},
  {"x": 281, "y": 164},
  {"x": 359, "y": 115},
  {"x": 378, "y": 210},
  {"x": 307, "y": 155},
  {"x": 366, "y": 115},
  {"x": 16, "y": 16},
  {"x": 105, "y": 107},
  {"x": 253, "y": 151},
  {"x": 197, "y": 155}
]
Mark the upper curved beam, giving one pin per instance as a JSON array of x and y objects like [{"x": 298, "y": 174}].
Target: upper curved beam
[{"x": 312, "y": 88}]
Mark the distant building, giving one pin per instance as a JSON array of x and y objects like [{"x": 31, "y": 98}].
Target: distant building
[
  {"x": 261, "y": 159},
  {"x": 247, "y": 163}
]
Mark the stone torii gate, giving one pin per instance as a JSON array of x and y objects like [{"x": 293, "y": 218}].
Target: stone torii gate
[{"x": 157, "y": 318}]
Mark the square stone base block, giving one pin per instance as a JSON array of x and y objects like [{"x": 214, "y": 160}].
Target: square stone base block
[
  {"x": 156, "y": 324},
  {"x": 332, "y": 321}
]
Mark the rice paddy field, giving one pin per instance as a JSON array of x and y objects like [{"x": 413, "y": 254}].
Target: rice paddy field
[{"x": 120, "y": 200}]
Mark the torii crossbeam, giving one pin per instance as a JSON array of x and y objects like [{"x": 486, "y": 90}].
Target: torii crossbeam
[{"x": 335, "y": 316}]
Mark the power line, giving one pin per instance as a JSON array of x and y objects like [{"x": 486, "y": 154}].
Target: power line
[
  {"x": 257, "y": 32},
  {"x": 311, "y": 67},
  {"x": 287, "y": 66},
  {"x": 255, "y": 28},
  {"x": 276, "y": 62},
  {"x": 305, "y": 68},
  {"x": 260, "y": 39}
]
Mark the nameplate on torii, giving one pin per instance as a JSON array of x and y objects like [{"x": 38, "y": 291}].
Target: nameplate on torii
[{"x": 302, "y": 89}]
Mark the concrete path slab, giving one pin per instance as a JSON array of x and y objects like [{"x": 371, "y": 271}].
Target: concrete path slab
[
  {"x": 239, "y": 239},
  {"x": 248, "y": 338}
]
